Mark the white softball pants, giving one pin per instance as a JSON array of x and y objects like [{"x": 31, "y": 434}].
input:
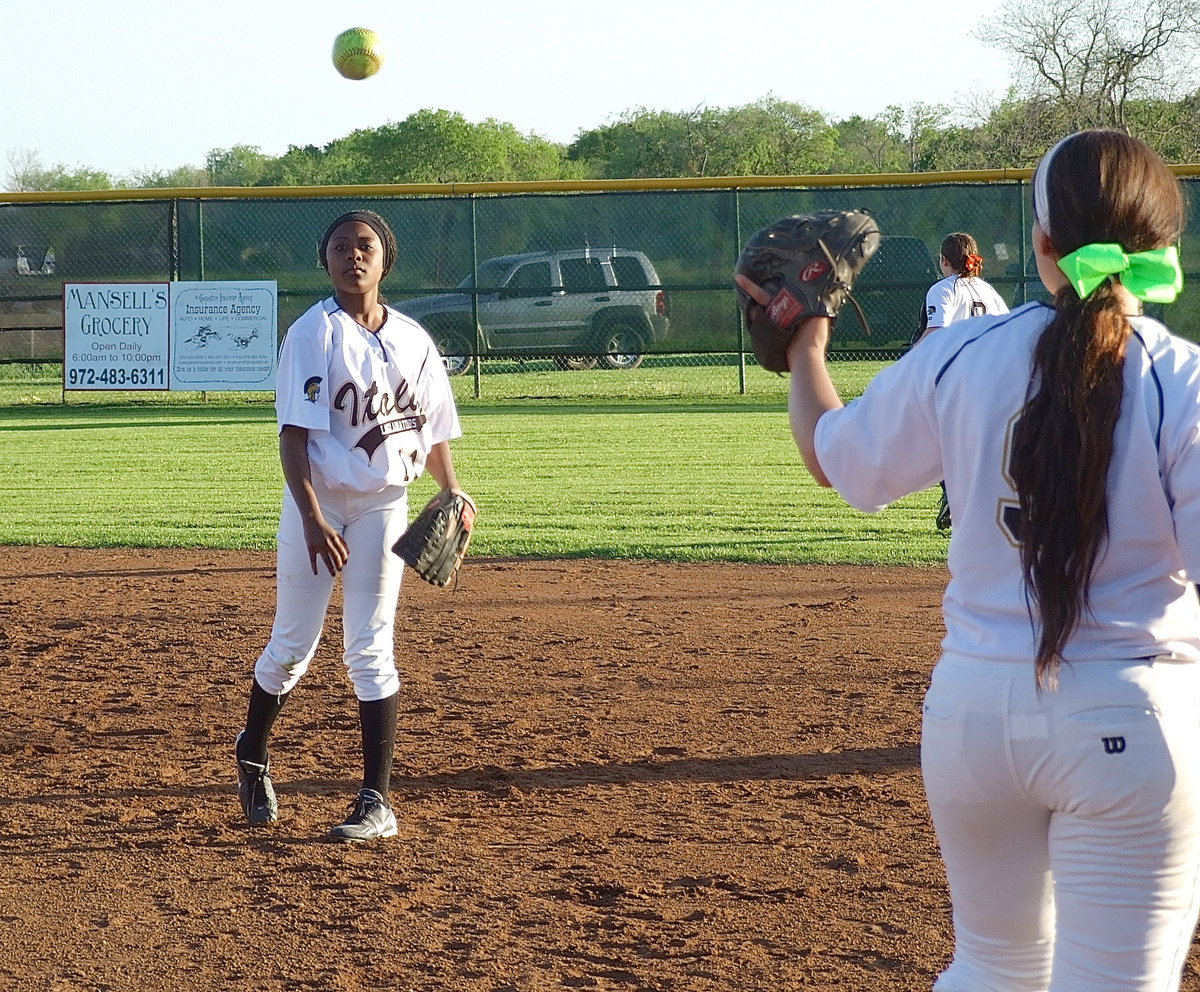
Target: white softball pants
[
  {"x": 1069, "y": 823},
  {"x": 370, "y": 525}
]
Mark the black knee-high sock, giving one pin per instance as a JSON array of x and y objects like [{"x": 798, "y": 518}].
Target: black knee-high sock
[
  {"x": 378, "y": 719},
  {"x": 260, "y": 718}
]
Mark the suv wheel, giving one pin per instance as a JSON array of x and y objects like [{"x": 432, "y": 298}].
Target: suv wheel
[
  {"x": 621, "y": 347},
  {"x": 455, "y": 355},
  {"x": 576, "y": 363}
]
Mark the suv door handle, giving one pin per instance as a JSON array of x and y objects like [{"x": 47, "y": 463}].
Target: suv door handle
[
  {"x": 543, "y": 303},
  {"x": 601, "y": 299}
]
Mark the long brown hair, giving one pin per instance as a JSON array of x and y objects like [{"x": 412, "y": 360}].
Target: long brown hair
[
  {"x": 1100, "y": 187},
  {"x": 962, "y": 254}
]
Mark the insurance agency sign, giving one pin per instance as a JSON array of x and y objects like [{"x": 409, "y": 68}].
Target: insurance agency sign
[{"x": 170, "y": 336}]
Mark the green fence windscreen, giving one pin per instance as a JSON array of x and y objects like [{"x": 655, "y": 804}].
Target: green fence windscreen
[{"x": 581, "y": 277}]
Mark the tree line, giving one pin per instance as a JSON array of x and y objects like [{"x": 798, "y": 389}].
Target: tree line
[{"x": 1128, "y": 64}]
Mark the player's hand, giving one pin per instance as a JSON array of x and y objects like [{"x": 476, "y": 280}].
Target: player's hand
[{"x": 326, "y": 544}]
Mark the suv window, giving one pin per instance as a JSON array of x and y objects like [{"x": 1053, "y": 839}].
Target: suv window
[
  {"x": 581, "y": 275},
  {"x": 490, "y": 274},
  {"x": 629, "y": 272},
  {"x": 529, "y": 280}
]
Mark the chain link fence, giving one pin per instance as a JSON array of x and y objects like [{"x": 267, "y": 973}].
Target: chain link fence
[{"x": 546, "y": 282}]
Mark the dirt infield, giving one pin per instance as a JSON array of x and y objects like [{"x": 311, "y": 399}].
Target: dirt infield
[{"x": 609, "y": 776}]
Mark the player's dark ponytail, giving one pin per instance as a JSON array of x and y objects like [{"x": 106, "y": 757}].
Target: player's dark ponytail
[{"x": 1100, "y": 187}]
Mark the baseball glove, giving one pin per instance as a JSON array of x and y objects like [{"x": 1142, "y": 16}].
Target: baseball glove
[
  {"x": 436, "y": 541},
  {"x": 808, "y": 264}
]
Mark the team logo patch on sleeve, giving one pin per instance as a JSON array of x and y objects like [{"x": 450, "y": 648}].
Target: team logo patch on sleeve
[{"x": 312, "y": 389}]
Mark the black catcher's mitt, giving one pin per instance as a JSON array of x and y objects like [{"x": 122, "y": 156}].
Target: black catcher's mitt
[
  {"x": 808, "y": 264},
  {"x": 437, "y": 539}
]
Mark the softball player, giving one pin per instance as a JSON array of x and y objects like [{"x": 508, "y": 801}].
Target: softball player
[
  {"x": 1061, "y": 729},
  {"x": 962, "y": 293},
  {"x": 364, "y": 406}
]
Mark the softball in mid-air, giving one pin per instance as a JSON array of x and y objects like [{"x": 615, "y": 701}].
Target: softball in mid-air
[{"x": 357, "y": 53}]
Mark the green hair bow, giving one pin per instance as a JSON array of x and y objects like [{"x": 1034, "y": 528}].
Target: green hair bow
[{"x": 1153, "y": 276}]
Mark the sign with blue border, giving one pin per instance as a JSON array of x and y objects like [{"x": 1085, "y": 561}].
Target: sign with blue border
[{"x": 205, "y": 336}]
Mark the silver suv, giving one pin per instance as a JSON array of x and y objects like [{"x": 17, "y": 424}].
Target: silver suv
[{"x": 585, "y": 307}]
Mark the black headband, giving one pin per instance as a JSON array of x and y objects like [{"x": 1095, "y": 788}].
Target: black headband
[{"x": 373, "y": 221}]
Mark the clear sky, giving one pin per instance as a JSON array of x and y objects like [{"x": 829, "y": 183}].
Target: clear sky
[{"x": 145, "y": 85}]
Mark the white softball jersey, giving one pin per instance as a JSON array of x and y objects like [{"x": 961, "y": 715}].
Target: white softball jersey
[
  {"x": 374, "y": 403},
  {"x": 947, "y": 409},
  {"x": 956, "y": 298}
]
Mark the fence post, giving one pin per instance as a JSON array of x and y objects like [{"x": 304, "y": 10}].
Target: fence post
[
  {"x": 200, "y": 243},
  {"x": 478, "y": 346},
  {"x": 173, "y": 240},
  {"x": 737, "y": 250},
  {"x": 1022, "y": 234}
]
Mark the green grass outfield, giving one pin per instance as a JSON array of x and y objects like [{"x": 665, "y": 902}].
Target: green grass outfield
[{"x": 665, "y": 463}]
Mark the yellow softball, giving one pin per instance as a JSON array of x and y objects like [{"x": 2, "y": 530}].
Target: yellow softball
[{"x": 357, "y": 53}]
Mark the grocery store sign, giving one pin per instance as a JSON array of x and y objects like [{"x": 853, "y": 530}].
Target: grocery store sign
[{"x": 164, "y": 336}]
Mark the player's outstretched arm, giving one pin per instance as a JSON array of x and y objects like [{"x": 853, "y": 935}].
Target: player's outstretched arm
[{"x": 811, "y": 393}]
